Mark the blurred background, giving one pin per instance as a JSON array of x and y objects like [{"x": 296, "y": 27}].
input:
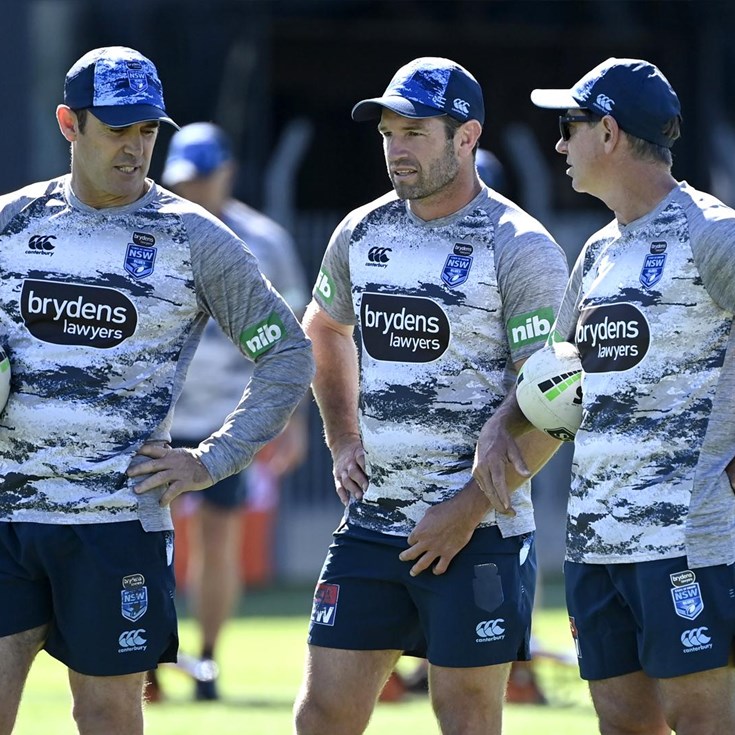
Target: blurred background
[{"x": 281, "y": 76}]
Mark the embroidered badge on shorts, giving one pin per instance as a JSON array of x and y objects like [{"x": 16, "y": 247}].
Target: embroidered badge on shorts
[
  {"x": 134, "y": 597},
  {"x": 324, "y": 610},
  {"x": 687, "y": 596}
]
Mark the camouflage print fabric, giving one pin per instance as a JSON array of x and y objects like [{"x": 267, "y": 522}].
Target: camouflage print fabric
[
  {"x": 650, "y": 306},
  {"x": 100, "y": 312},
  {"x": 442, "y": 308}
]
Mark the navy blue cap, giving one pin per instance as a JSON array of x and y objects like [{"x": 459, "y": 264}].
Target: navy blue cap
[
  {"x": 118, "y": 85},
  {"x": 427, "y": 87},
  {"x": 195, "y": 151},
  {"x": 632, "y": 91}
]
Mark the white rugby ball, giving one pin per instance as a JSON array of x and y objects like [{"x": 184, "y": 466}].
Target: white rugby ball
[
  {"x": 549, "y": 390},
  {"x": 4, "y": 379}
]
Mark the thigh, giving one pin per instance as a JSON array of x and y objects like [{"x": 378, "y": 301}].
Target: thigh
[
  {"x": 469, "y": 700},
  {"x": 108, "y": 704},
  {"x": 16, "y": 656},
  {"x": 478, "y": 613},
  {"x": 701, "y": 703},
  {"x": 113, "y": 598},
  {"x": 340, "y": 689},
  {"x": 629, "y": 704}
]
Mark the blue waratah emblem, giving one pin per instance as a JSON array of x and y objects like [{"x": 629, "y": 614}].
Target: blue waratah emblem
[
  {"x": 134, "y": 603},
  {"x": 140, "y": 260},
  {"x": 456, "y": 270},
  {"x": 688, "y": 601},
  {"x": 137, "y": 79},
  {"x": 653, "y": 269}
]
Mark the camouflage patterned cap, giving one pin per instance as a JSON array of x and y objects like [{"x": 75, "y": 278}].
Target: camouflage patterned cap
[{"x": 118, "y": 85}]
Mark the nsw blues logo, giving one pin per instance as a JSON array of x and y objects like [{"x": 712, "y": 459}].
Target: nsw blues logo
[
  {"x": 687, "y": 596},
  {"x": 653, "y": 269},
  {"x": 140, "y": 260},
  {"x": 456, "y": 270},
  {"x": 137, "y": 77},
  {"x": 134, "y": 597},
  {"x": 324, "y": 610}
]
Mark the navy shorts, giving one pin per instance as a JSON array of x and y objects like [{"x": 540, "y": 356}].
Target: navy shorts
[
  {"x": 478, "y": 613},
  {"x": 656, "y": 616},
  {"x": 227, "y": 494},
  {"x": 106, "y": 590}
]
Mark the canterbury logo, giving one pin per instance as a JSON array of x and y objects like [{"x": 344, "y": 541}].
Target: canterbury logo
[
  {"x": 41, "y": 242},
  {"x": 605, "y": 102},
  {"x": 131, "y": 638},
  {"x": 461, "y": 106},
  {"x": 490, "y": 628},
  {"x": 378, "y": 255},
  {"x": 695, "y": 637}
]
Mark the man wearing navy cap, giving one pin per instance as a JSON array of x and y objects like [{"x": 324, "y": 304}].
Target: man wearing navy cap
[
  {"x": 201, "y": 167},
  {"x": 651, "y": 517},
  {"x": 451, "y": 287},
  {"x": 108, "y": 282}
]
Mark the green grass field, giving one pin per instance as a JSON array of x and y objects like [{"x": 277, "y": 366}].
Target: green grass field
[{"x": 261, "y": 659}]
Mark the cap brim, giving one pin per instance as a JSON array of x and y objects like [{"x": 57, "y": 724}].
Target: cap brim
[
  {"x": 554, "y": 99},
  {"x": 120, "y": 116},
  {"x": 372, "y": 109}
]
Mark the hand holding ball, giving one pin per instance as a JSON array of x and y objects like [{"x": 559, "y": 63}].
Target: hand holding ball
[{"x": 549, "y": 390}]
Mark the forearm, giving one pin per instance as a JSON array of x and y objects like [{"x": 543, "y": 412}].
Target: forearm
[{"x": 336, "y": 384}]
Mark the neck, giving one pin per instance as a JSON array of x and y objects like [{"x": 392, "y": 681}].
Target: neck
[
  {"x": 639, "y": 191},
  {"x": 447, "y": 201}
]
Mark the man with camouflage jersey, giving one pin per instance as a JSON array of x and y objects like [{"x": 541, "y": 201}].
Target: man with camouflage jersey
[
  {"x": 107, "y": 283},
  {"x": 451, "y": 286},
  {"x": 650, "y": 569}
]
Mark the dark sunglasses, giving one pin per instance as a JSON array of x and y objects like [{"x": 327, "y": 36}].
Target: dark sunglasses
[{"x": 565, "y": 121}]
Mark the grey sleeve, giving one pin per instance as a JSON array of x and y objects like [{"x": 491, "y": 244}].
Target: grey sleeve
[
  {"x": 532, "y": 274},
  {"x": 231, "y": 289},
  {"x": 714, "y": 254},
  {"x": 333, "y": 288}
]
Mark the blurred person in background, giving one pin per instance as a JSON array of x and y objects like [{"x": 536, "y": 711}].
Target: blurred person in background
[{"x": 200, "y": 167}]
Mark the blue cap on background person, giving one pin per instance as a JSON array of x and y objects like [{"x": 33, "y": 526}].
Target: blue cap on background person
[
  {"x": 489, "y": 169},
  {"x": 427, "y": 87},
  {"x": 632, "y": 91},
  {"x": 195, "y": 151},
  {"x": 118, "y": 85}
]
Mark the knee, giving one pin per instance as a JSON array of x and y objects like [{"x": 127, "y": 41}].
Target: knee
[
  {"x": 317, "y": 717},
  {"x": 96, "y": 717}
]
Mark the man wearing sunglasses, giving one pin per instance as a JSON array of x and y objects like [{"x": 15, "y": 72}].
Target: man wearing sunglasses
[{"x": 651, "y": 522}]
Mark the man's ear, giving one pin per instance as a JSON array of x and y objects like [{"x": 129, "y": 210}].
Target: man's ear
[
  {"x": 470, "y": 133},
  {"x": 68, "y": 123},
  {"x": 611, "y": 131}
]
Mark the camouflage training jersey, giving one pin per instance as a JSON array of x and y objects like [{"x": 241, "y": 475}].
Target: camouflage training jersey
[
  {"x": 443, "y": 308},
  {"x": 100, "y": 312},
  {"x": 650, "y": 306}
]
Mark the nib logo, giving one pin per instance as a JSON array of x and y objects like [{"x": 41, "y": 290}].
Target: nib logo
[{"x": 261, "y": 337}]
